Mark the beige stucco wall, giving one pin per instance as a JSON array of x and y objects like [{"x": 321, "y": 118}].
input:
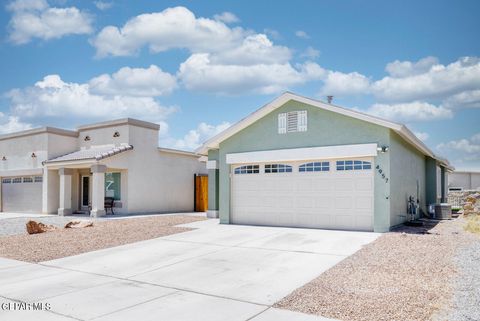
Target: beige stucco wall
[
  {"x": 465, "y": 180},
  {"x": 151, "y": 180},
  {"x": 156, "y": 181}
]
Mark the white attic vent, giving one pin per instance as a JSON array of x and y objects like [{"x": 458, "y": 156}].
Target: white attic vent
[{"x": 292, "y": 121}]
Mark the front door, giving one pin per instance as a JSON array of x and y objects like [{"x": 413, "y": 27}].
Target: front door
[{"x": 85, "y": 197}]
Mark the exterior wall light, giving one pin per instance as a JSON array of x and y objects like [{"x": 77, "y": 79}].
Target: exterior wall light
[
  {"x": 116, "y": 134},
  {"x": 4, "y": 158},
  {"x": 33, "y": 155},
  {"x": 87, "y": 138},
  {"x": 382, "y": 149}
]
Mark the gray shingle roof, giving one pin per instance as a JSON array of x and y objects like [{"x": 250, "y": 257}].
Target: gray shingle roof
[{"x": 94, "y": 153}]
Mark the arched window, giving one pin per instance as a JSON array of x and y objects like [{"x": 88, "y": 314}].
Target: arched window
[
  {"x": 247, "y": 169},
  {"x": 314, "y": 167},
  {"x": 278, "y": 168},
  {"x": 349, "y": 165}
]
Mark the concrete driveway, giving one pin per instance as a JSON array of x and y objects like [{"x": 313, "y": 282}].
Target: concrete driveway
[{"x": 217, "y": 272}]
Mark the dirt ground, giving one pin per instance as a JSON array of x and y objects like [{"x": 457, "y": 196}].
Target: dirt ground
[
  {"x": 104, "y": 234},
  {"x": 403, "y": 275}
]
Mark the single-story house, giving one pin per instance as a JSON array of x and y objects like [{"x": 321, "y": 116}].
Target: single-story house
[
  {"x": 300, "y": 162},
  {"x": 52, "y": 170},
  {"x": 464, "y": 180}
]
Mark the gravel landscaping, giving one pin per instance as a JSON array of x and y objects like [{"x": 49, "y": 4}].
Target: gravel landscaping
[
  {"x": 104, "y": 234},
  {"x": 407, "y": 274},
  {"x": 13, "y": 226}
]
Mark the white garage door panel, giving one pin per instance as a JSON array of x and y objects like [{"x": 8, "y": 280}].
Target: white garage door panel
[
  {"x": 22, "y": 197},
  {"x": 331, "y": 199}
]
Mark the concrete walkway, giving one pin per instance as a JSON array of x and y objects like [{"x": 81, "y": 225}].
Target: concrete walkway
[{"x": 217, "y": 272}]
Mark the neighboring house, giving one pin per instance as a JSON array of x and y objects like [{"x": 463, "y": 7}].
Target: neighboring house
[
  {"x": 464, "y": 180},
  {"x": 303, "y": 163},
  {"x": 51, "y": 170}
]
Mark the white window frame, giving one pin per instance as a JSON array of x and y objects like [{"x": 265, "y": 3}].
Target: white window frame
[
  {"x": 247, "y": 169},
  {"x": 292, "y": 122},
  {"x": 316, "y": 166},
  {"x": 277, "y": 168},
  {"x": 352, "y": 165}
]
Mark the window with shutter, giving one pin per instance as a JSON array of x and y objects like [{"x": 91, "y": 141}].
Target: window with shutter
[{"x": 293, "y": 121}]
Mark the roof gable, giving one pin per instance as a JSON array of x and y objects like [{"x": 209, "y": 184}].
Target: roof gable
[{"x": 404, "y": 132}]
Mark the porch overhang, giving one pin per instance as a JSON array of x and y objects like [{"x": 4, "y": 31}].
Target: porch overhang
[{"x": 85, "y": 158}]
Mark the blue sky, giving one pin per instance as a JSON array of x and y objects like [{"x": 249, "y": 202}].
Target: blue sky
[{"x": 196, "y": 66}]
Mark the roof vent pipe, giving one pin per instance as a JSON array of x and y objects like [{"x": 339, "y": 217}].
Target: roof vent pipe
[{"x": 329, "y": 99}]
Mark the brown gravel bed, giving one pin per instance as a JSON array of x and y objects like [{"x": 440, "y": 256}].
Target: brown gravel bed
[
  {"x": 403, "y": 275},
  {"x": 104, "y": 234}
]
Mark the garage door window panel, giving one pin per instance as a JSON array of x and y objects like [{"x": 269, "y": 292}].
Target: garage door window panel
[
  {"x": 28, "y": 180},
  {"x": 349, "y": 165},
  {"x": 247, "y": 169},
  {"x": 314, "y": 167},
  {"x": 17, "y": 180},
  {"x": 278, "y": 168},
  {"x": 7, "y": 181}
]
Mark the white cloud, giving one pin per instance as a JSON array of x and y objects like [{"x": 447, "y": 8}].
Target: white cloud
[
  {"x": 422, "y": 136},
  {"x": 255, "y": 49},
  {"x": 464, "y": 152},
  {"x": 414, "y": 111},
  {"x": 401, "y": 69},
  {"x": 195, "y": 137},
  {"x": 54, "y": 98},
  {"x": 103, "y": 5},
  {"x": 311, "y": 53},
  {"x": 35, "y": 19},
  {"x": 429, "y": 81},
  {"x": 476, "y": 138},
  {"x": 150, "y": 81},
  {"x": 469, "y": 146},
  {"x": 10, "y": 124},
  {"x": 198, "y": 72},
  {"x": 226, "y": 17},
  {"x": 466, "y": 99},
  {"x": 274, "y": 34},
  {"x": 341, "y": 84},
  {"x": 160, "y": 31},
  {"x": 302, "y": 34}
]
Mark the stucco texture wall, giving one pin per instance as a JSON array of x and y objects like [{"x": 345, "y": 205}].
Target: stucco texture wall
[
  {"x": 155, "y": 181},
  {"x": 407, "y": 178},
  {"x": 325, "y": 128}
]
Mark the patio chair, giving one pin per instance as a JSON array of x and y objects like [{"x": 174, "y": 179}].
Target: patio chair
[{"x": 108, "y": 204}]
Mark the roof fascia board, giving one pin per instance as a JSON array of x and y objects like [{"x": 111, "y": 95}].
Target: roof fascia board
[
  {"x": 278, "y": 102},
  {"x": 41, "y": 130}
]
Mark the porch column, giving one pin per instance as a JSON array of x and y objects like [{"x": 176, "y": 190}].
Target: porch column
[
  {"x": 50, "y": 191},
  {"x": 213, "y": 188},
  {"x": 98, "y": 190},
  {"x": 65, "y": 191}
]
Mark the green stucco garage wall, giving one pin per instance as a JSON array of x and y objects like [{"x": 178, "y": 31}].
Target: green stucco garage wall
[
  {"x": 325, "y": 128},
  {"x": 407, "y": 167}
]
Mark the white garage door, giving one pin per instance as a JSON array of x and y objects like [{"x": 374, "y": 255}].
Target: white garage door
[
  {"x": 22, "y": 194},
  {"x": 331, "y": 194}
]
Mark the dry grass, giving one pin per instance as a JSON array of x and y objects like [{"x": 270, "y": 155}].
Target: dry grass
[
  {"x": 473, "y": 224},
  {"x": 400, "y": 276},
  {"x": 104, "y": 234}
]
